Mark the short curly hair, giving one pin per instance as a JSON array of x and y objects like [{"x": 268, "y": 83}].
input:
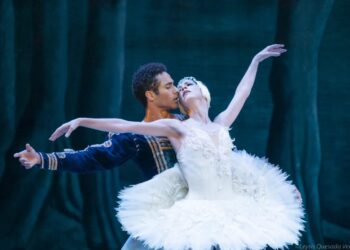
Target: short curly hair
[{"x": 144, "y": 79}]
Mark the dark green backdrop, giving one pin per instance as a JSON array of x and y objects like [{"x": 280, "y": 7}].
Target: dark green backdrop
[{"x": 63, "y": 59}]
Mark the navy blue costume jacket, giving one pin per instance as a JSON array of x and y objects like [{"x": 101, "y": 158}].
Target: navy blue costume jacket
[{"x": 152, "y": 154}]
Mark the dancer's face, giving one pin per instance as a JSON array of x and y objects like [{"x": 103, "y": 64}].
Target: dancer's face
[
  {"x": 167, "y": 97},
  {"x": 189, "y": 90}
]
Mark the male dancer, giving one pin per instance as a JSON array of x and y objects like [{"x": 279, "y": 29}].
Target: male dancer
[{"x": 155, "y": 89}]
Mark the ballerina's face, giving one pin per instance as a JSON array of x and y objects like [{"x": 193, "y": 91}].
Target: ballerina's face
[{"x": 189, "y": 89}]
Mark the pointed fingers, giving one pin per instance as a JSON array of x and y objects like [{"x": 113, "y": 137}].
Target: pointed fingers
[
  {"x": 26, "y": 164},
  {"x": 29, "y": 148},
  {"x": 274, "y": 54},
  {"x": 19, "y": 154},
  {"x": 274, "y": 46},
  {"x": 278, "y": 50},
  {"x": 70, "y": 130},
  {"x": 51, "y": 138},
  {"x": 22, "y": 160},
  {"x": 58, "y": 132}
]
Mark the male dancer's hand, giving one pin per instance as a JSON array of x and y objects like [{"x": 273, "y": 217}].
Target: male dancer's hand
[
  {"x": 28, "y": 157},
  {"x": 66, "y": 128},
  {"x": 270, "y": 51}
]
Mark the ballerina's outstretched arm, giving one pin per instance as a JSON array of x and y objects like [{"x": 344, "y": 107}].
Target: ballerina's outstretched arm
[
  {"x": 166, "y": 127},
  {"x": 29, "y": 157},
  {"x": 229, "y": 115}
]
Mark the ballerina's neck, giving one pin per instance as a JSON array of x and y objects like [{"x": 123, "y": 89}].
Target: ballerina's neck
[{"x": 199, "y": 115}]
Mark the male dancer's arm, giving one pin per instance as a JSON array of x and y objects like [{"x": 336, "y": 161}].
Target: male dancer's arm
[{"x": 113, "y": 152}]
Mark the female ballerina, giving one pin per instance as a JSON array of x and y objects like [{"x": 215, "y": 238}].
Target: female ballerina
[{"x": 213, "y": 197}]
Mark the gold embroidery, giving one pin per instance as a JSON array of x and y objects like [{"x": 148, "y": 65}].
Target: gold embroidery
[
  {"x": 49, "y": 165},
  {"x": 54, "y": 167},
  {"x": 156, "y": 147},
  {"x": 158, "y": 141},
  {"x": 61, "y": 155},
  {"x": 107, "y": 144},
  {"x": 154, "y": 153},
  {"x": 164, "y": 143},
  {"x": 52, "y": 161},
  {"x": 42, "y": 161},
  {"x": 68, "y": 150},
  {"x": 110, "y": 134}
]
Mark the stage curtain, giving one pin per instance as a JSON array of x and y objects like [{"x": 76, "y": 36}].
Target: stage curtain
[
  {"x": 59, "y": 60},
  {"x": 69, "y": 58}
]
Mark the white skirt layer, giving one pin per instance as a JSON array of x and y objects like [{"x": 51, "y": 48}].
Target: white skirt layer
[{"x": 262, "y": 210}]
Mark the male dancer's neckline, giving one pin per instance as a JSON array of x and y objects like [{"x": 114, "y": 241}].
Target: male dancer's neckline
[{"x": 154, "y": 116}]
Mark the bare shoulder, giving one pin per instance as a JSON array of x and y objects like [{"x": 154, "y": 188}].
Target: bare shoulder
[
  {"x": 173, "y": 126},
  {"x": 174, "y": 123},
  {"x": 221, "y": 123},
  {"x": 168, "y": 121}
]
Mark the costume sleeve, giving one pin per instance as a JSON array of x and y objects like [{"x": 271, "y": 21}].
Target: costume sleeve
[{"x": 113, "y": 152}]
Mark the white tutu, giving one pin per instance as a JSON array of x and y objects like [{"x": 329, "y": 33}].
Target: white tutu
[{"x": 213, "y": 197}]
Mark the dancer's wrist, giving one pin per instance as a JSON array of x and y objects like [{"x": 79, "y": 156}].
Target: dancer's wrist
[
  {"x": 37, "y": 159},
  {"x": 255, "y": 61}
]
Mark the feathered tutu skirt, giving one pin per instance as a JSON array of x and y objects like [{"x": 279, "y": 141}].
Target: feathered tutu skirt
[{"x": 260, "y": 210}]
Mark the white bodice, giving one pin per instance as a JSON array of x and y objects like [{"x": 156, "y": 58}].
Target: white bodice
[{"x": 205, "y": 161}]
